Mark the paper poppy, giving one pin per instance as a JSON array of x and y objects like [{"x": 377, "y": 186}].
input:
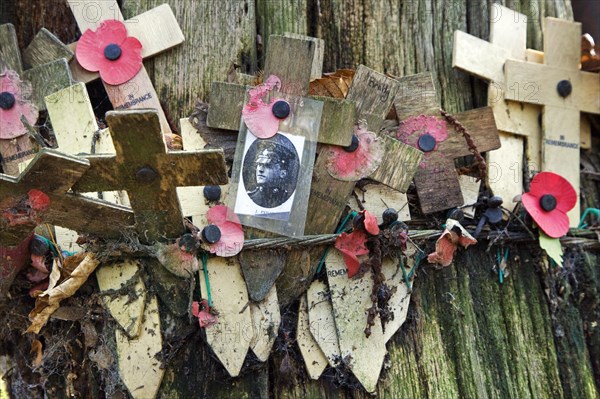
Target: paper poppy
[
  {"x": 357, "y": 161},
  {"x": 353, "y": 245},
  {"x": 258, "y": 115},
  {"x": 453, "y": 236},
  {"x": 180, "y": 258},
  {"x": 14, "y": 94},
  {"x": 201, "y": 310},
  {"x": 424, "y": 133},
  {"x": 549, "y": 199},
  {"x": 26, "y": 210},
  {"x": 109, "y": 51},
  {"x": 229, "y": 240}
]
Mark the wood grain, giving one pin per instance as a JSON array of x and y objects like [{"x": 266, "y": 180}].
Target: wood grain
[
  {"x": 322, "y": 321},
  {"x": 47, "y": 79},
  {"x": 416, "y": 96},
  {"x": 139, "y": 144},
  {"x": 225, "y": 105},
  {"x": 266, "y": 320},
  {"x": 10, "y": 55},
  {"x": 374, "y": 95},
  {"x": 314, "y": 359},
  {"x": 291, "y": 59},
  {"x": 398, "y": 166},
  {"x": 44, "y": 48}
]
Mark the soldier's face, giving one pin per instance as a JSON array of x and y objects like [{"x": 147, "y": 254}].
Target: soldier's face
[{"x": 267, "y": 171}]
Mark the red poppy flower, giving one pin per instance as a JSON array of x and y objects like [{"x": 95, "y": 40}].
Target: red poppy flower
[
  {"x": 27, "y": 210},
  {"x": 257, "y": 114},
  {"x": 446, "y": 245},
  {"x": 201, "y": 310},
  {"x": 357, "y": 161},
  {"x": 424, "y": 133},
  {"x": 549, "y": 199},
  {"x": 230, "y": 239},
  {"x": 109, "y": 51},
  {"x": 14, "y": 104},
  {"x": 353, "y": 245}
]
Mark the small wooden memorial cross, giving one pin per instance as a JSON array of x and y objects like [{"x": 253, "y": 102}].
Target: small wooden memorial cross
[
  {"x": 46, "y": 70},
  {"x": 291, "y": 58},
  {"x": 419, "y": 112},
  {"x": 374, "y": 95},
  {"x": 564, "y": 91},
  {"x": 46, "y": 181},
  {"x": 157, "y": 30},
  {"x": 149, "y": 173}
]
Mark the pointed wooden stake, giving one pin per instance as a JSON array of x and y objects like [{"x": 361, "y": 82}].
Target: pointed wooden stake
[
  {"x": 230, "y": 337},
  {"x": 265, "y": 320},
  {"x": 322, "y": 323},
  {"x": 313, "y": 356}
]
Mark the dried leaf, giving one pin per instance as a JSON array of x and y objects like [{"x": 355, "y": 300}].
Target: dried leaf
[
  {"x": 48, "y": 301},
  {"x": 446, "y": 245},
  {"x": 36, "y": 347},
  {"x": 334, "y": 84}
]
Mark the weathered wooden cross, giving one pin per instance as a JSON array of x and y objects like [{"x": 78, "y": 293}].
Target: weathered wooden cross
[
  {"x": 45, "y": 66},
  {"x": 508, "y": 36},
  {"x": 156, "y": 29},
  {"x": 53, "y": 174},
  {"x": 564, "y": 91},
  {"x": 436, "y": 179},
  {"x": 149, "y": 173}
]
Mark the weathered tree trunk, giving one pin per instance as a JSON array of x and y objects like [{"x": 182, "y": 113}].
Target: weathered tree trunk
[{"x": 535, "y": 336}]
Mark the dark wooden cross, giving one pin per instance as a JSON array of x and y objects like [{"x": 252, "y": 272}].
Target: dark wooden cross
[
  {"x": 436, "y": 179},
  {"x": 149, "y": 173},
  {"x": 45, "y": 66},
  {"x": 156, "y": 29},
  {"x": 564, "y": 92},
  {"x": 53, "y": 174}
]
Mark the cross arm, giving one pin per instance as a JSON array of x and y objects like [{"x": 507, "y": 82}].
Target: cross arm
[
  {"x": 103, "y": 175},
  {"x": 198, "y": 168},
  {"x": 537, "y": 84},
  {"x": 478, "y": 57},
  {"x": 481, "y": 126},
  {"x": 10, "y": 56},
  {"x": 416, "y": 96}
]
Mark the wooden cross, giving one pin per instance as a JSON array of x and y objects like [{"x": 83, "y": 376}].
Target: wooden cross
[
  {"x": 374, "y": 94},
  {"x": 291, "y": 58},
  {"x": 564, "y": 91},
  {"x": 45, "y": 66},
  {"x": 149, "y": 173},
  {"x": 156, "y": 29},
  {"x": 54, "y": 173},
  {"x": 436, "y": 179}
]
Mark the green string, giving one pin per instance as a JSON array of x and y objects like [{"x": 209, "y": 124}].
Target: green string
[
  {"x": 593, "y": 211},
  {"x": 50, "y": 244},
  {"x": 340, "y": 229},
  {"x": 206, "y": 280},
  {"x": 499, "y": 257},
  {"x": 410, "y": 274}
]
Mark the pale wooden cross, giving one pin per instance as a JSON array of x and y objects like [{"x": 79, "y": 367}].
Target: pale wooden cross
[
  {"x": 508, "y": 36},
  {"x": 149, "y": 173},
  {"x": 436, "y": 179},
  {"x": 156, "y": 29},
  {"x": 564, "y": 91},
  {"x": 45, "y": 66},
  {"x": 54, "y": 173}
]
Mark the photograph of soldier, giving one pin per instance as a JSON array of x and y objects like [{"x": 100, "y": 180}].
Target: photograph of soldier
[{"x": 270, "y": 171}]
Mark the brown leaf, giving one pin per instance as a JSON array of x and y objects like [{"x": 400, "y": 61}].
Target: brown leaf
[
  {"x": 36, "y": 347},
  {"x": 48, "y": 301},
  {"x": 335, "y": 84}
]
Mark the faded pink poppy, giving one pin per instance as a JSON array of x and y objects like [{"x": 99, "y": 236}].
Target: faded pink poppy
[
  {"x": 351, "y": 246},
  {"x": 412, "y": 129},
  {"x": 370, "y": 222},
  {"x": 232, "y": 234},
  {"x": 358, "y": 164},
  {"x": 14, "y": 104},
  {"x": 109, "y": 51},
  {"x": 201, "y": 310},
  {"x": 257, "y": 114},
  {"x": 453, "y": 236}
]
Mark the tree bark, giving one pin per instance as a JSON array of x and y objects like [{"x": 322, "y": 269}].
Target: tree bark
[{"x": 467, "y": 336}]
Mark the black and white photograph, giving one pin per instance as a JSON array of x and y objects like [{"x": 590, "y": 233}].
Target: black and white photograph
[{"x": 269, "y": 176}]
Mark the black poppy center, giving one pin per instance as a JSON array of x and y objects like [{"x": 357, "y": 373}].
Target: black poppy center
[
  {"x": 211, "y": 234},
  {"x": 281, "y": 109},
  {"x": 112, "y": 52},
  {"x": 564, "y": 88},
  {"x": 7, "y": 100},
  {"x": 212, "y": 193},
  {"x": 548, "y": 202},
  {"x": 426, "y": 142},
  {"x": 353, "y": 145}
]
